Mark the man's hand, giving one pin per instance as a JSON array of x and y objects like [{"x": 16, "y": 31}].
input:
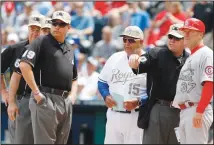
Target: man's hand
[
  {"x": 134, "y": 61},
  {"x": 39, "y": 97},
  {"x": 5, "y": 96},
  {"x": 110, "y": 102},
  {"x": 72, "y": 99},
  {"x": 12, "y": 110},
  {"x": 197, "y": 120},
  {"x": 130, "y": 104}
]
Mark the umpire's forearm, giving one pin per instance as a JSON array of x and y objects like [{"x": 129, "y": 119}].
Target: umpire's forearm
[
  {"x": 3, "y": 84},
  {"x": 28, "y": 75},
  {"x": 74, "y": 89},
  {"x": 14, "y": 85}
]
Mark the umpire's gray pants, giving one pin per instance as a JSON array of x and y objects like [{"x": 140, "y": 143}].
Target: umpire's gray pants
[
  {"x": 11, "y": 129},
  {"x": 23, "y": 131},
  {"x": 163, "y": 120},
  {"x": 51, "y": 119},
  {"x": 20, "y": 130}
]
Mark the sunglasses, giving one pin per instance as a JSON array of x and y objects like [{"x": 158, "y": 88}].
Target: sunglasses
[
  {"x": 129, "y": 40},
  {"x": 60, "y": 24},
  {"x": 173, "y": 37}
]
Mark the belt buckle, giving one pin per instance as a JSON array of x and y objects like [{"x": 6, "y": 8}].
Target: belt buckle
[
  {"x": 52, "y": 91},
  {"x": 187, "y": 104},
  {"x": 63, "y": 93}
]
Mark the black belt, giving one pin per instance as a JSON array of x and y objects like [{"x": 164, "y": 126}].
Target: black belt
[
  {"x": 164, "y": 102},
  {"x": 25, "y": 95},
  {"x": 136, "y": 110},
  {"x": 62, "y": 93}
]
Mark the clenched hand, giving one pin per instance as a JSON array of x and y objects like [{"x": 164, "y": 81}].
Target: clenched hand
[{"x": 134, "y": 61}]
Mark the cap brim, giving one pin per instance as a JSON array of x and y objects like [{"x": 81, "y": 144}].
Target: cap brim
[
  {"x": 123, "y": 35},
  {"x": 189, "y": 28},
  {"x": 59, "y": 18},
  {"x": 46, "y": 26},
  {"x": 176, "y": 34},
  {"x": 35, "y": 24}
]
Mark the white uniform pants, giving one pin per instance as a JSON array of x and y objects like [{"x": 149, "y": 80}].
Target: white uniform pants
[
  {"x": 191, "y": 135},
  {"x": 121, "y": 128}
]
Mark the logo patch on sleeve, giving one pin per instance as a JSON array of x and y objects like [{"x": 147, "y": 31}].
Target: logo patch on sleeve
[
  {"x": 209, "y": 70},
  {"x": 143, "y": 59}
]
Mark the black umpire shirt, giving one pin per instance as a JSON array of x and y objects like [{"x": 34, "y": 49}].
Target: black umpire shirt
[
  {"x": 10, "y": 59},
  {"x": 163, "y": 68},
  {"x": 53, "y": 63}
]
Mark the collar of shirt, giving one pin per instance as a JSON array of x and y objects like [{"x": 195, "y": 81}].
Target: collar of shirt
[
  {"x": 63, "y": 46},
  {"x": 196, "y": 48}
]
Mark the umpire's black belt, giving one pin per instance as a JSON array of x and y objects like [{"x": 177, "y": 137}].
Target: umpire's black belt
[
  {"x": 136, "y": 110},
  {"x": 62, "y": 93},
  {"x": 165, "y": 102},
  {"x": 24, "y": 95}
]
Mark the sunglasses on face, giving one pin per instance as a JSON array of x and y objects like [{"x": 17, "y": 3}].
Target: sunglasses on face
[
  {"x": 60, "y": 24},
  {"x": 173, "y": 37},
  {"x": 129, "y": 40}
]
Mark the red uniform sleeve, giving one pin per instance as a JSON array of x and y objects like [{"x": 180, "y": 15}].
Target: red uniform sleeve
[{"x": 206, "y": 96}]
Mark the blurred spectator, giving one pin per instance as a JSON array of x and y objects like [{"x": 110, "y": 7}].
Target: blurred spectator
[
  {"x": 155, "y": 7},
  {"x": 23, "y": 18},
  {"x": 144, "y": 5},
  {"x": 106, "y": 6},
  {"x": 43, "y": 7},
  {"x": 105, "y": 47},
  {"x": 135, "y": 16},
  {"x": 75, "y": 42},
  {"x": 87, "y": 84},
  {"x": 56, "y": 6},
  {"x": 12, "y": 38},
  {"x": 4, "y": 35},
  {"x": 172, "y": 14},
  {"x": 82, "y": 25},
  {"x": 117, "y": 28},
  {"x": 23, "y": 32},
  {"x": 204, "y": 11},
  {"x": 8, "y": 14}
]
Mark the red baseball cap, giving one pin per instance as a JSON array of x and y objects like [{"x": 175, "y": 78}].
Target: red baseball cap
[{"x": 193, "y": 24}]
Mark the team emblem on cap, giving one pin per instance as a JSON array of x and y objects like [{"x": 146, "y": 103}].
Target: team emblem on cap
[
  {"x": 59, "y": 14},
  {"x": 174, "y": 28},
  {"x": 47, "y": 22},
  {"x": 36, "y": 19},
  {"x": 129, "y": 31}
]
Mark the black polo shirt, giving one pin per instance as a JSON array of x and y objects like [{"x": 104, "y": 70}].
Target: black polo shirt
[
  {"x": 163, "y": 68},
  {"x": 53, "y": 63},
  {"x": 9, "y": 59}
]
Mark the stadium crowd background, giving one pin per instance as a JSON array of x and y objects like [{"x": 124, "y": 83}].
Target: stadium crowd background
[{"x": 97, "y": 25}]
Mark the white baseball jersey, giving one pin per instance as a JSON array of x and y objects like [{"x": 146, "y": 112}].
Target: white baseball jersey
[
  {"x": 120, "y": 78},
  {"x": 197, "y": 69}
]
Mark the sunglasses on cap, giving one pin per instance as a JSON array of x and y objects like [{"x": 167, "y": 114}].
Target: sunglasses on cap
[
  {"x": 60, "y": 24},
  {"x": 129, "y": 40},
  {"x": 173, "y": 37}
]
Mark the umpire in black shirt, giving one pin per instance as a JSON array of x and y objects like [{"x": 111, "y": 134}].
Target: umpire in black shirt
[
  {"x": 163, "y": 65},
  {"x": 48, "y": 68},
  {"x": 20, "y": 127}
]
